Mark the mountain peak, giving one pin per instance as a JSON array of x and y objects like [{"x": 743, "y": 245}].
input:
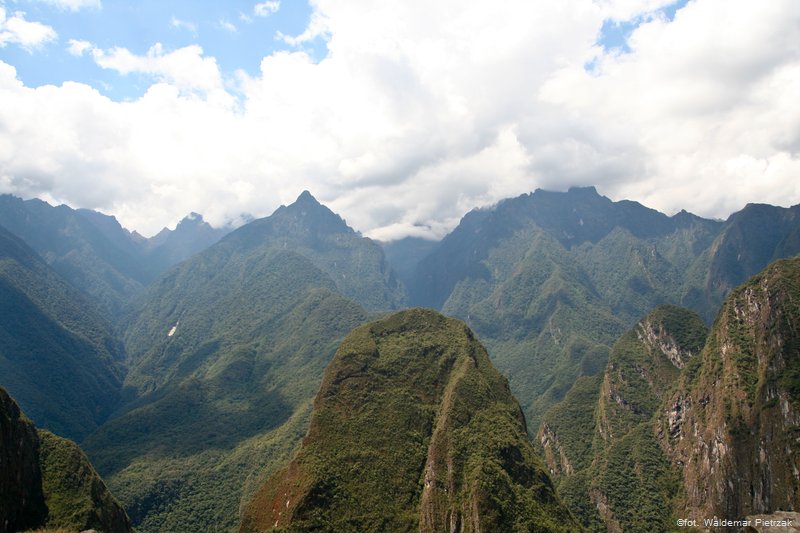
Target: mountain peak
[
  {"x": 585, "y": 191},
  {"x": 306, "y": 198},
  {"x": 424, "y": 380},
  {"x": 315, "y": 215},
  {"x": 192, "y": 219}
]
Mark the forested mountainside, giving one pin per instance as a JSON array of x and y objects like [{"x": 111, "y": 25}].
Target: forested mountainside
[
  {"x": 599, "y": 442},
  {"x": 683, "y": 426},
  {"x": 226, "y": 352},
  {"x": 412, "y": 430},
  {"x": 95, "y": 253},
  {"x": 47, "y": 481},
  {"x": 58, "y": 356},
  {"x": 549, "y": 281},
  {"x": 204, "y": 386}
]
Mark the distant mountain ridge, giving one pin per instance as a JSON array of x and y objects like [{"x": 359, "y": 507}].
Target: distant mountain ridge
[
  {"x": 223, "y": 352},
  {"x": 549, "y": 280},
  {"x": 95, "y": 253},
  {"x": 226, "y": 351}
]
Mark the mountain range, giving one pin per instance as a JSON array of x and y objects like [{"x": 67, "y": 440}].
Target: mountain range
[
  {"x": 95, "y": 253},
  {"x": 199, "y": 353}
]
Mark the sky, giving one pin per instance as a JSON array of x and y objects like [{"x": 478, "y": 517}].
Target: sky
[{"x": 401, "y": 116}]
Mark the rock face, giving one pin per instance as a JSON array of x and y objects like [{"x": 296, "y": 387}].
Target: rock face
[
  {"x": 733, "y": 424},
  {"x": 21, "y": 498},
  {"x": 48, "y": 481},
  {"x": 412, "y": 430}
]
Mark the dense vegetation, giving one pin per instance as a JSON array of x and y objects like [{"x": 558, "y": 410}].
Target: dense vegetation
[
  {"x": 46, "y": 481},
  {"x": 601, "y": 440},
  {"x": 412, "y": 430},
  {"x": 225, "y": 353},
  {"x": 226, "y": 350},
  {"x": 549, "y": 281},
  {"x": 247, "y": 351},
  {"x": 58, "y": 357}
]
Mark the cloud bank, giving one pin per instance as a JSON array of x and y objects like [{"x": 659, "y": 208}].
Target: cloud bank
[{"x": 422, "y": 111}]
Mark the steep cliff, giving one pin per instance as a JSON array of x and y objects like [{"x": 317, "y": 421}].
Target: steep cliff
[
  {"x": 600, "y": 442},
  {"x": 412, "y": 430},
  {"x": 21, "y": 498},
  {"x": 76, "y": 497},
  {"x": 733, "y": 425},
  {"x": 47, "y": 481}
]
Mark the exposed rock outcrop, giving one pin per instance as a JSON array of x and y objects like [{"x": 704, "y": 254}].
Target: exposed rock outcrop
[
  {"x": 733, "y": 425},
  {"x": 21, "y": 498}
]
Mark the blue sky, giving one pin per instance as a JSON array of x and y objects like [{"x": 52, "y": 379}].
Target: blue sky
[
  {"x": 238, "y": 34},
  {"x": 401, "y": 115}
]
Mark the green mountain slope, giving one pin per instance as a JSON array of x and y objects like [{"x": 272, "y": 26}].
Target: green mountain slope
[
  {"x": 682, "y": 435},
  {"x": 601, "y": 441},
  {"x": 58, "y": 357},
  {"x": 356, "y": 265},
  {"x": 98, "y": 259},
  {"x": 412, "y": 430},
  {"x": 751, "y": 239},
  {"x": 549, "y": 280},
  {"x": 226, "y": 351},
  {"x": 96, "y": 254},
  {"x": 46, "y": 481}
]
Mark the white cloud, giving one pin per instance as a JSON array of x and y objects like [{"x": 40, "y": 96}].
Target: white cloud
[
  {"x": 78, "y": 47},
  {"x": 265, "y": 9},
  {"x": 27, "y": 34},
  {"x": 317, "y": 27},
  {"x": 187, "y": 69},
  {"x": 228, "y": 26},
  {"x": 421, "y": 111},
  {"x": 183, "y": 25},
  {"x": 73, "y": 5}
]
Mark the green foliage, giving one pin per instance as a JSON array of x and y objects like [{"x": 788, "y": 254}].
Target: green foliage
[
  {"x": 572, "y": 421},
  {"x": 225, "y": 351},
  {"x": 622, "y": 470},
  {"x": 76, "y": 497},
  {"x": 639, "y": 482},
  {"x": 58, "y": 357},
  {"x": 411, "y": 420}
]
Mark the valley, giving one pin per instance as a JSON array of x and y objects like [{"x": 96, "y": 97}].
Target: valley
[{"x": 557, "y": 361}]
